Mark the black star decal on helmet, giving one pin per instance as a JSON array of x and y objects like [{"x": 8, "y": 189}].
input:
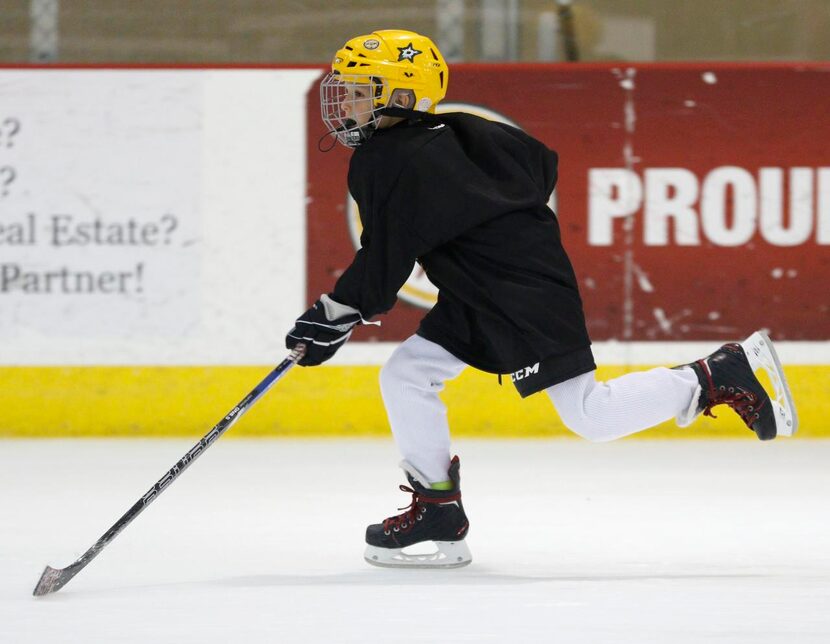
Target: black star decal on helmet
[{"x": 408, "y": 53}]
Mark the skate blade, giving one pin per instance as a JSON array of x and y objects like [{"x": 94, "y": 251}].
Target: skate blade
[
  {"x": 449, "y": 554},
  {"x": 761, "y": 355}
]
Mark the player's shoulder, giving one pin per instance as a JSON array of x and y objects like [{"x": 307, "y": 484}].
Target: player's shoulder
[
  {"x": 407, "y": 135},
  {"x": 469, "y": 125},
  {"x": 391, "y": 149},
  {"x": 477, "y": 132},
  {"x": 465, "y": 121}
]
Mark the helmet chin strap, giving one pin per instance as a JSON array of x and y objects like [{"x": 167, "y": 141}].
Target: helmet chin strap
[
  {"x": 349, "y": 133},
  {"x": 355, "y": 136}
]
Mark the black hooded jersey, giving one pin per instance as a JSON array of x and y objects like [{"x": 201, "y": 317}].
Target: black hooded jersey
[{"x": 467, "y": 199}]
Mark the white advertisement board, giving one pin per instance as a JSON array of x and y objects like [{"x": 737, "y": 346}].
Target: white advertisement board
[{"x": 150, "y": 216}]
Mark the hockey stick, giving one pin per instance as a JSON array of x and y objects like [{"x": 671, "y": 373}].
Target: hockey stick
[{"x": 54, "y": 579}]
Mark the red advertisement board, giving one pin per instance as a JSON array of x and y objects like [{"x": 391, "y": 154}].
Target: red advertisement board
[{"x": 694, "y": 199}]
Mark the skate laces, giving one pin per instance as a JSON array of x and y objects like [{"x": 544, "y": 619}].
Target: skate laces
[
  {"x": 745, "y": 402},
  {"x": 414, "y": 511}
]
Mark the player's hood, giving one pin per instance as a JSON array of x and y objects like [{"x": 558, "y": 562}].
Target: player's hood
[{"x": 504, "y": 152}]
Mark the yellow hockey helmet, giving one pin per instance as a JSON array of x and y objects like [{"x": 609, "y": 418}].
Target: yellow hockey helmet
[{"x": 382, "y": 63}]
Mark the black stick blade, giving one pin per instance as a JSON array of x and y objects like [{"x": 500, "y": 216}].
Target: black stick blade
[{"x": 53, "y": 580}]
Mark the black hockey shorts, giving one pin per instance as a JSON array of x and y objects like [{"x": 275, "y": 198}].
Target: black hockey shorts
[{"x": 552, "y": 370}]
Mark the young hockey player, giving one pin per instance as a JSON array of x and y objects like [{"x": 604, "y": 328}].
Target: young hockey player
[{"x": 467, "y": 199}]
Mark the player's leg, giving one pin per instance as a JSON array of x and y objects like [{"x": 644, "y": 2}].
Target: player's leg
[
  {"x": 410, "y": 383},
  {"x": 604, "y": 411}
]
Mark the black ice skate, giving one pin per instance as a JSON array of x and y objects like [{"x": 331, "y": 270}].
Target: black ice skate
[
  {"x": 435, "y": 516},
  {"x": 727, "y": 377}
]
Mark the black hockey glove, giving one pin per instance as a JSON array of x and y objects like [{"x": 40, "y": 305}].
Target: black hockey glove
[{"x": 324, "y": 328}]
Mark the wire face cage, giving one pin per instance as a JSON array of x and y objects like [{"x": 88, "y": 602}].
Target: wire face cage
[{"x": 350, "y": 104}]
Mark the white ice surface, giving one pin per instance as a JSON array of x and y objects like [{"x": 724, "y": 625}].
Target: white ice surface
[{"x": 261, "y": 541}]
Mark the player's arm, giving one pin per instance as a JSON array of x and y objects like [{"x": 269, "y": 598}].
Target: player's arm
[
  {"x": 368, "y": 286},
  {"x": 378, "y": 271}
]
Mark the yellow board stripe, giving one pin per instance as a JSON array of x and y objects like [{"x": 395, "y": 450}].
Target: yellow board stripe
[{"x": 311, "y": 402}]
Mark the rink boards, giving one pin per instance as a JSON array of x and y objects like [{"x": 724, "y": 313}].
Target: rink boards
[
  {"x": 325, "y": 401},
  {"x": 160, "y": 230}
]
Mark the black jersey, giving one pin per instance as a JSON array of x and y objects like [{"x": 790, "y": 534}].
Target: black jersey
[{"x": 467, "y": 198}]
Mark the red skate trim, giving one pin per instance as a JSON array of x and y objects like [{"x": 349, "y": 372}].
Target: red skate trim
[
  {"x": 404, "y": 522},
  {"x": 743, "y": 401},
  {"x": 711, "y": 392}
]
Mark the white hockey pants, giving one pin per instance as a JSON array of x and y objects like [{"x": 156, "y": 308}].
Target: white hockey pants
[{"x": 598, "y": 411}]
